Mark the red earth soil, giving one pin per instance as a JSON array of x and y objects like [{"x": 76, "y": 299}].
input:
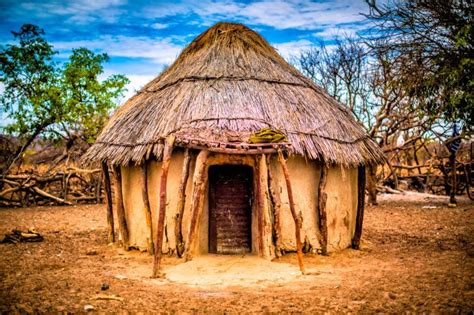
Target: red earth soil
[{"x": 417, "y": 256}]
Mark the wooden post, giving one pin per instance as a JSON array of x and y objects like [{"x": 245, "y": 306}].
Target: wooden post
[
  {"x": 296, "y": 218},
  {"x": 322, "y": 198},
  {"x": 178, "y": 227},
  {"x": 276, "y": 205},
  {"x": 260, "y": 198},
  {"x": 199, "y": 180},
  {"x": 360, "y": 207},
  {"x": 98, "y": 188},
  {"x": 146, "y": 207},
  {"x": 452, "y": 193},
  {"x": 372, "y": 183},
  {"x": 108, "y": 200},
  {"x": 122, "y": 221},
  {"x": 165, "y": 164}
]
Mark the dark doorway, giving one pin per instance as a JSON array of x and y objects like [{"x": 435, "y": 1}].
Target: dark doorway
[{"x": 230, "y": 209}]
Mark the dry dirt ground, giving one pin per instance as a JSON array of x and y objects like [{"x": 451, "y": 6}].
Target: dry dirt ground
[{"x": 417, "y": 255}]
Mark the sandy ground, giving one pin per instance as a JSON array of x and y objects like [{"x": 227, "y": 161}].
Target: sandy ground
[{"x": 417, "y": 255}]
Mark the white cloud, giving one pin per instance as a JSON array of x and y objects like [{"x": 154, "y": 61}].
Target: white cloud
[
  {"x": 293, "y": 48},
  {"x": 78, "y": 11},
  {"x": 160, "y": 50},
  {"x": 136, "y": 83},
  {"x": 341, "y": 31},
  {"x": 159, "y": 26},
  {"x": 298, "y": 14}
]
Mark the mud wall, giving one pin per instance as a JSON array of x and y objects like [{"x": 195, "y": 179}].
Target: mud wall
[{"x": 341, "y": 203}]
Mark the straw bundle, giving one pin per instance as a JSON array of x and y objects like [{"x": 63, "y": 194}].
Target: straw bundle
[{"x": 226, "y": 85}]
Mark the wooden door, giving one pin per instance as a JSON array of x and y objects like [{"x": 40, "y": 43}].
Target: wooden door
[{"x": 230, "y": 209}]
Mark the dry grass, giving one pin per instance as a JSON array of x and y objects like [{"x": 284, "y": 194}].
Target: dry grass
[{"x": 227, "y": 84}]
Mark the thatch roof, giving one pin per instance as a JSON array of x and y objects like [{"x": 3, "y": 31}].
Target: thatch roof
[{"x": 227, "y": 84}]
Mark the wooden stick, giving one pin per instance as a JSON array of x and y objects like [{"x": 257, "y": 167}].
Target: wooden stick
[
  {"x": 178, "y": 228},
  {"x": 168, "y": 150},
  {"x": 322, "y": 198},
  {"x": 45, "y": 194},
  {"x": 98, "y": 189},
  {"x": 452, "y": 193},
  {"x": 108, "y": 200},
  {"x": 360, "y": 207},
  {"x": 122, "y": 221},
  {"x": 299, "y": 249},
  {"x": 276, "y": 205},
  {"x": 260, "y": 198},
  {"x": 146, "y": 206},
  {"x": 199, "y": 180}
]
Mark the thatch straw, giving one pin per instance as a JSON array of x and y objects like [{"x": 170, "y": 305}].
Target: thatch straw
[{"x": 227, "y": 84}]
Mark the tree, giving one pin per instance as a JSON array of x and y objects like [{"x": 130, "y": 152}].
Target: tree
[
  {"x": 366, "y": 81},
  {"x": 431, "y": 46},
  {"x": 41, "y": 96}
]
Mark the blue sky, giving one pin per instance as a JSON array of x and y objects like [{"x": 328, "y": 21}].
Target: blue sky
[{"x": 141, "y": 37}]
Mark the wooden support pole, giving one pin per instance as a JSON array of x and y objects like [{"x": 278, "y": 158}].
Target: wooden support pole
[
  {"x": 165, "y": 164},
  {"x": 360, "y": 207},
  {"x": 296, "y": 218},
  {"x": 122, "y": 221},
  {"x": 108, "y": 200},
  {"x": 146, "y": 206},
  {"x": 322, "y": 199},
  {"x": 178, "y": 227},
  {"x": 452, "y": 192},
  {"x": 199, "y": 181},
  {"x": 275, "y": 200},
  {"x": 260, "y": 201}
]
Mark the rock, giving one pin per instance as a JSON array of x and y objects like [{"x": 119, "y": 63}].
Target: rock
[
  {"x": 105, "y": 286},
  {"x": 91, "y": 253},
  {"x": 121, "y": 277},
  {"x": 88, "y": 308},
  {"x": 390, "y": 295}
]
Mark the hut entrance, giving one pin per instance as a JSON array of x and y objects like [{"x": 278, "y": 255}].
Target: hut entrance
[{"x": 230, "y": 209}]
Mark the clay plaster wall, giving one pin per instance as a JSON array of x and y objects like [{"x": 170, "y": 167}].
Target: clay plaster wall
[
  {"x": 133, "y": 203},
  {"x": 341, "y": 205},
  {"x": 304, "y": 176}
]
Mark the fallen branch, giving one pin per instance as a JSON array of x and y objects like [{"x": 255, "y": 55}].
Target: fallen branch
[
  {"x": 45, "y": 194},
  {"x": 386, "y": 189}
]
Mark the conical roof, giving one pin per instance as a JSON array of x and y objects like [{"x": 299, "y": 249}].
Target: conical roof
[{"x": 227, "y": 84}]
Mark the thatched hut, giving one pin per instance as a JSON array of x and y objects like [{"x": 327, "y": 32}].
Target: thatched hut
[{"x": 233, "y": 150}]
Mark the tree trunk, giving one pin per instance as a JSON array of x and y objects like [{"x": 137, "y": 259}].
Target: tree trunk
[
  {"x": 371, "y": 173},
  {"x": 108, "y": 199},
  {"x": 299, "y": 247},
  {"x": 260, "y": 197},
  {"x": 178, "y": 228},
  {"x": 276, "y": 205},
  {"x": 162, "y": 214},
  {"x": 122, "y": 221},
  {"x": 21, "y": 149},
  {"x": 360, "y": 207},
  {"x": 452, "y": 193},
  {"x": 199, "y": 181},
  {"x": 146, "y": 206},
  {"x": 322, "y": 198}
]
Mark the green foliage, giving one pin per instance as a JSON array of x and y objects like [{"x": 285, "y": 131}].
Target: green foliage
[
  {"x": 42, "y": 96},
  {"x": 30, "y": 78},
  {"x": 431, "y": 44},
  {"x": 88, "y": 100}
]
